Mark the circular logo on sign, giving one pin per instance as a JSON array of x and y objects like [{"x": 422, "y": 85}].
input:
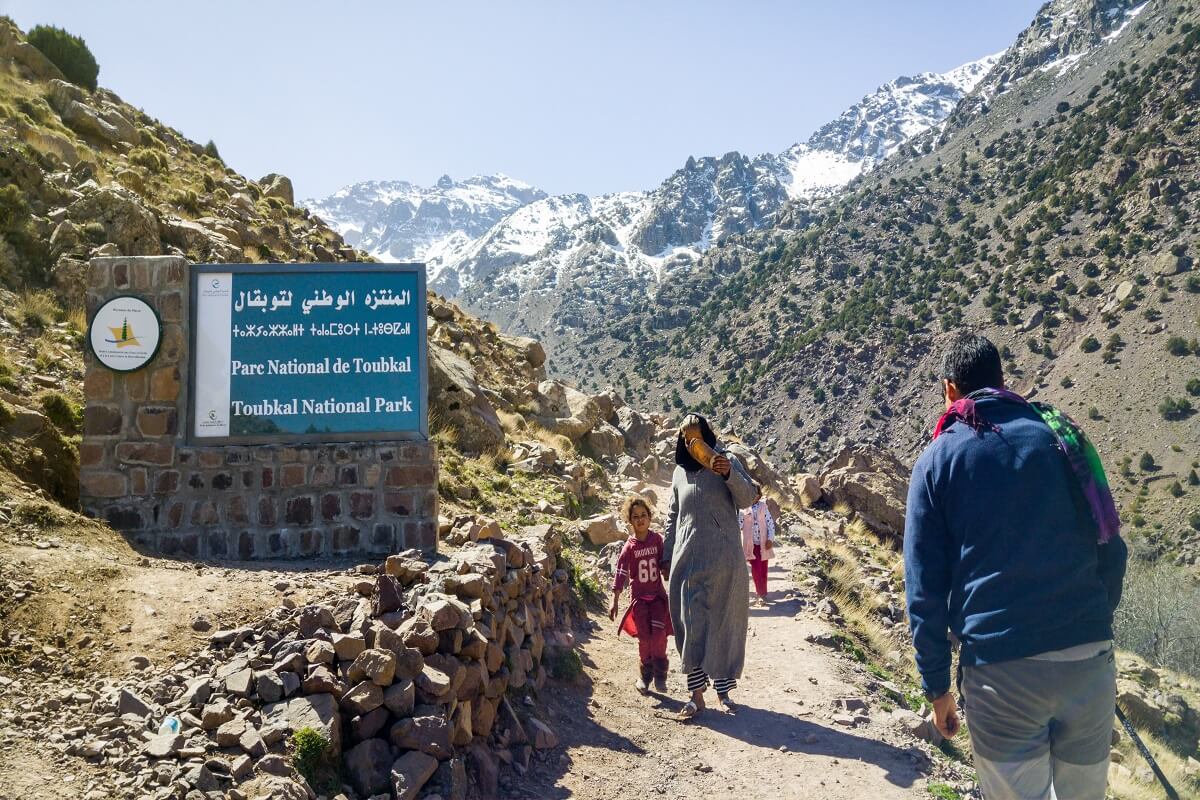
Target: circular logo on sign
[{"x": 125, "y": 333}]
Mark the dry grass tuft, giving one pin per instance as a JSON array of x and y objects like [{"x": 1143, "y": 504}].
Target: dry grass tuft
[
  {"x": 35, "y": 309},
  {"x": 1129, "y": 787},
  {"x": 512, "y": 423}
]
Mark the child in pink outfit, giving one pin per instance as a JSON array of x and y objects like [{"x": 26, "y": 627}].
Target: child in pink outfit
[
  {"x": 758, "y": 543},
  {"x": 648, "y": 618}
]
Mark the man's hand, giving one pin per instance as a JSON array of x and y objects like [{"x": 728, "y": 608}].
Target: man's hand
[
  {"x": 721, "y": 466},
  {"x": 612, "y": 612},
  {"x": 945, "y": 715}
]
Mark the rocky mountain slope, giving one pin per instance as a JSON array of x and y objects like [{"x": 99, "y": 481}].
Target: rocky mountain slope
[{"x": 1059, "y": 220}]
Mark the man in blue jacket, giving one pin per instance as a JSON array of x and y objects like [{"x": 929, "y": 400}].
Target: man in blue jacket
[{"x": 1002, "y": 552}]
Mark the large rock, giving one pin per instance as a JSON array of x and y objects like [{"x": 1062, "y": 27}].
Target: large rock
[
  {"x": 637, "y": 430},
  {"x": 199, "y": 241},
  {"x": 603, "y": 529},
  {"x": 127, "y": 223},
  {"x": 1168, "y": 264},
  {"x": 428, "y": 733},
  {"x": 564, "y": 410},
  {"x": 369, "y": 766},
  {"x": 278, "y": 186},
  {"x": 14, "y": 49},
  {"x": 872, "y": 483},
  {"x": 807, "y": 488},
  {"x": 455, "y": 395},
  {"x": 317, "y": 711},
  {"x": 604, "y": 440},
  {"x": 88, "y": 123},
  {"x": 531, "y": 349},
  {"x": 410, "y": 772}
]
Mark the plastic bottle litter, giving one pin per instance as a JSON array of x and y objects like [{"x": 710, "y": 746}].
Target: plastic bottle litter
[{"x": 169, "y": 725}]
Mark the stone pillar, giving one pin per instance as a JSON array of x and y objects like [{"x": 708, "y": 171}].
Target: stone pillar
[{"x": 138, "y": 474}]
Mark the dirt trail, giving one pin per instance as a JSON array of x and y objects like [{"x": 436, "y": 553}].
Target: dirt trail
[{"x": 781, "y": 743}]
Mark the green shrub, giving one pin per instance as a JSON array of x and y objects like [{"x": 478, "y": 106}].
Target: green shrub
[
  {"x": 67, "y": 52},
  {"x": 66, "y": 416},
  {"x": 314, "y": 758},
  {"x": 1193, "y": 479},
  {"x": 563, "y": 663},
  {"x": 1173, "y": 409},
  {"x": 1146, "y": 462},
  {"x": 1193, "y": 387},
  {"x": 148, "y": 159},
  {"x": 1090, "y": 344},
  {"x": 14, "y": 211},
  {"x": 1178, "y": 346},
  {"x": 1175, "y": 489},
  {"x": 1094, "y": 413}
]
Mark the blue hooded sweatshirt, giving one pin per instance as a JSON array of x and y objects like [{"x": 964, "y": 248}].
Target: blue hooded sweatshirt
[{"x": 1000, "y": 547}]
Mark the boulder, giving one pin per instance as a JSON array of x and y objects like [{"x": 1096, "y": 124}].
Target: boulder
[
  {"x": 603, "y": 529},
  {"x": 455, "y": 395},
  {"x": 1168, "y": 264},
  {"x": 369, "y": 766},
  {"x": 88, "y": 123},
  {"x": 564, "y": 410},
  {"x": 808, "y": 488},
  {"x": 605, "y": 441},
  {"x": 198, "y": 241},
  {"x": 126, "y": 221},
  {"x": 531, "y": 349},
  {"x": 410, "y": 773},
  {"x": 872, "y": 483},
  {"x": 14, "y": 49},
  {"x": 278, "y": 186},
  {"x": 637, "y": 430}
]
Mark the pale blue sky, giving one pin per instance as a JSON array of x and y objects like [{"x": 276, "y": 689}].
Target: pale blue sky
[{"x": 568, "y": 95}]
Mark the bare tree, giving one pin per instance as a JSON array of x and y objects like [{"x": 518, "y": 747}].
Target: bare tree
[{"x": 1159, "y": 615}]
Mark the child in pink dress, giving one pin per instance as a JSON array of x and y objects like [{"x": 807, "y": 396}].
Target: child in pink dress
[{"x": 648, "y": 618}]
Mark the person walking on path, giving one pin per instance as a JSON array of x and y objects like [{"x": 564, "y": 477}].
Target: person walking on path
[
  {"x": 1012, "y": 544},
  {"x": 648, "y": 619},
  {"x": 705, "y": 563},
  {"x": 758, "y": 544}
]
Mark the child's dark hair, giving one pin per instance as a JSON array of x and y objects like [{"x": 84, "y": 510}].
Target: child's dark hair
[{"x": 632, "y": 502}]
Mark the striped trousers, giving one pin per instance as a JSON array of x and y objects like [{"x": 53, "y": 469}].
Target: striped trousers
[{"x": 698, "y": 680}]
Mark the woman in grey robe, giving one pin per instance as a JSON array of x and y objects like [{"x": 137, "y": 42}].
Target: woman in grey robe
[{"x": 703, "y": 557}]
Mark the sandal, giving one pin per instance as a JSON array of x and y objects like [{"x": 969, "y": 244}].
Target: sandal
[
  {"x": 689, "y": 711},
  {"x": 727, "y": 705}
]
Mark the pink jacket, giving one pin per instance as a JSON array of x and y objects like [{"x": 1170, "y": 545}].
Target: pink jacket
[{"x": 766, "y": 531}]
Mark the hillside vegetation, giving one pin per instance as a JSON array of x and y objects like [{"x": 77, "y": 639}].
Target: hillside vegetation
[{"x": 1058, "y": 217}]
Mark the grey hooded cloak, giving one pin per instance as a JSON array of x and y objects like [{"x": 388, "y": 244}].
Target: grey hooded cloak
[{"x": 708, "y": 588}]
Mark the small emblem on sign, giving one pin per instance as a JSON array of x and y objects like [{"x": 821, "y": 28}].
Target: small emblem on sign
[{"x": 125, "y": 333}]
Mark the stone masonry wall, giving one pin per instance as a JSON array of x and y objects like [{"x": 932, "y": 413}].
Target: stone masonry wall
[{"x": 138, "y": 474}]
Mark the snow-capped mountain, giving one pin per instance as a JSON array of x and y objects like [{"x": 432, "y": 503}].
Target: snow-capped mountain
[
  {"x": 398, "y": 221},
  {"x": 667, "y": 228},
  {"x": 496, "y": 228},
  {"x": 873, "y": 129}
]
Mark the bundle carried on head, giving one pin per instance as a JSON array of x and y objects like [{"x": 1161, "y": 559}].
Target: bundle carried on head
[{"x": 696, "y": 445}]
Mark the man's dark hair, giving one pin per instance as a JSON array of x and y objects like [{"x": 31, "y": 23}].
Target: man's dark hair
[{"x": 972, "y": 362}]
